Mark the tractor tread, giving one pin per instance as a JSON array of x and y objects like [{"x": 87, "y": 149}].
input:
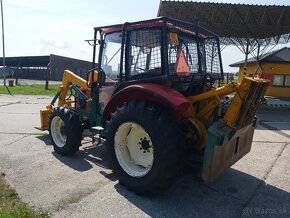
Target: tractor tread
[{"x": 168, "y": 145}]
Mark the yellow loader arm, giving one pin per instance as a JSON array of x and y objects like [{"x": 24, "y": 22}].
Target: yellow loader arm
[
  {"x": 68, "y": 79},
  {"x": 229, "y": 138}
]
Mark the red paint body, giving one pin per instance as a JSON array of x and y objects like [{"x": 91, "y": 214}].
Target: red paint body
[{"x": 173, "y": 101}]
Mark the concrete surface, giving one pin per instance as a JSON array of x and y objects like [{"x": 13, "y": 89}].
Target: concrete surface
[{"x": 83, "y": 186}]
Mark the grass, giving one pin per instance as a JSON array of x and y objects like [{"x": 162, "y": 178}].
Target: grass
[
  {"x": 29, "y": 90},
  {"x": 11, "y": 206}
]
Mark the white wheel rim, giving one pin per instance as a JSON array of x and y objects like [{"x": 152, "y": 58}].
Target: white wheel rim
[
  {"x": 134, "y": 149},
  {"x": 57, "y": 130}
]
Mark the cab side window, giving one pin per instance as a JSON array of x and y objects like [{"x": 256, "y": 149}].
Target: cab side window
[
  {"x": 112, "y": 54},
  {"x": 145, "y": 53}
]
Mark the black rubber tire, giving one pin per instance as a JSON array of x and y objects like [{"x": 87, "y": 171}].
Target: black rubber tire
[
  {"x": 72, "y": 130},
  {"x": 168, "y": 143}
]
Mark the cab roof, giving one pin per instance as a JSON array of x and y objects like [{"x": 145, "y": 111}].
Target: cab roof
[{"x": 173, "y": 24}]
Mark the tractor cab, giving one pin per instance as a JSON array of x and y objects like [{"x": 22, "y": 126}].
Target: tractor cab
[{"x": 180, "y": 55}]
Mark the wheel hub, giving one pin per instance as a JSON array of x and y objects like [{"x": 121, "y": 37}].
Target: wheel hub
[
  {"x": 62, "y": 130},
  {"x": 134, "y": 149},
  {"x": 145, "y": 145}
]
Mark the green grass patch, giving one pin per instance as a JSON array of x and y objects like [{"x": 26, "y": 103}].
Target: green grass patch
[
  {"x": 30, "y": 90},
  {"x": 11, "y": 206}
]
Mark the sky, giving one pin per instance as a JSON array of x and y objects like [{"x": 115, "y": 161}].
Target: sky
[{"x": 43, "y": 27}]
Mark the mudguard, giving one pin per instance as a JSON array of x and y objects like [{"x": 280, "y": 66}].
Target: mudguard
[{"x": 170, "y": 99}]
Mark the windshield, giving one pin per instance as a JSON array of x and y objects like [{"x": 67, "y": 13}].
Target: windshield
[{"x": 111, "y": 55}]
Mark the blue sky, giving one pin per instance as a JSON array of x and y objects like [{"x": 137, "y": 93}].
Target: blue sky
[{"x": 42, "y": 27}]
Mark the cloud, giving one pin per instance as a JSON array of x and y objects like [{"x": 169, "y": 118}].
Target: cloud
[
  {"x": 48, "y": 44},
  {"x": 73, "y": 49}
]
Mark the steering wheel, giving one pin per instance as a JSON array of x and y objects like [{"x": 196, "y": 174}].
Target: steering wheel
[{"x": 139, "y": 68}]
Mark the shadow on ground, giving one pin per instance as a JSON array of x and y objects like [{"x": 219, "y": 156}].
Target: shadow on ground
[
  {"x": 235, "y": 194},
  {"x": 45, "y": 138},
  {"x": 265, "y": 115},
  {"x": 85, "y": 158}
]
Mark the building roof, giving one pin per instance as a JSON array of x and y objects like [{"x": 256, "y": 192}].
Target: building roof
[
  {"x": 26, "y": 61},
  {"x": 32, "y": 61},
  {"x": 281, "y": 56},
  {"x": 231, "y": 20}
]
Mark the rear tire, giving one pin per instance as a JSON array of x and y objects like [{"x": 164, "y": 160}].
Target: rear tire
[
  {"x": 145, "y": 147},
  {"x": 65, "y": 131}
]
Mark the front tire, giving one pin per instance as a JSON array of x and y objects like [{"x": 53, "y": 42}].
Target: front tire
[
  {"x": 65, "y": 131},
  {"x": 145, "y": 147}
]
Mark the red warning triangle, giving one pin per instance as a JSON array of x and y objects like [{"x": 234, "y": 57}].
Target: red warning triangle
[{"x": 181, "y": 66}]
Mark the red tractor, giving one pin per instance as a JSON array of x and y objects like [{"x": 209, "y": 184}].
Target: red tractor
[{"x": 152, "y": 91}]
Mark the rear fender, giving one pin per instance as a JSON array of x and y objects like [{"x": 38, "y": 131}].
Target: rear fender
[{"x": 169, "y": 99}]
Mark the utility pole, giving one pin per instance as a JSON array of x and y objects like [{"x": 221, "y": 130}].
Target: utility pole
[{"x": 4, "y": 65}]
